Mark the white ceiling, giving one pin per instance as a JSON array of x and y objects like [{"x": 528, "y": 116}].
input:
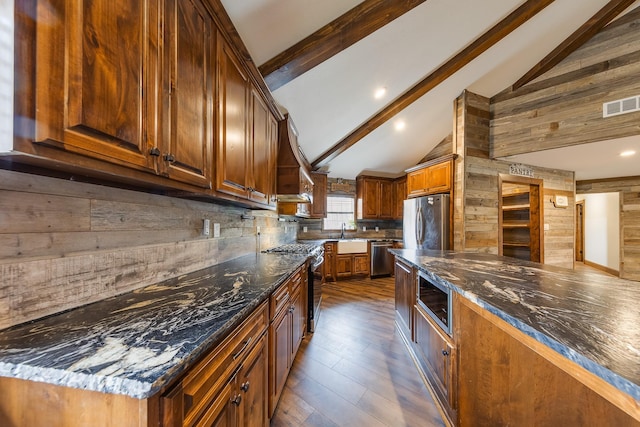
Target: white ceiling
[{"x": 335, "y": 97}]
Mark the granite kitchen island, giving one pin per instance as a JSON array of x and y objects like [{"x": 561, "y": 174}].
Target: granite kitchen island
[
  {"x": 133, "y": 346},
  {"x": 515, "y": 323}
]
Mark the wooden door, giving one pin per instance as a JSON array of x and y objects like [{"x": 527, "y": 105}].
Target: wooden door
[
  {"x": 260, "y": 150},
  {"x": 273, "y": 160},
  {"x": 386, "y": 200},
  {"x": 329, "y": 262},
  {"x": 253, "y": 387},
  {"x": 298, "y": 324},
  {"x": 95, "y": 88},
  {"x": 189, "y": 35},
  {"x": 344, "y": 265},
  {"x": 361, "y": 264},
  {"x": 232, "y": 155},
  {"x": 580, "y": 231}
]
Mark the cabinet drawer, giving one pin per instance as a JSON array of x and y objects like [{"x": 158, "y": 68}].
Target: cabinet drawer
[
  {"x": 204, "y": 381},
  {"x": 279, "y": 299},
  {"x": 296, "y": 280}
]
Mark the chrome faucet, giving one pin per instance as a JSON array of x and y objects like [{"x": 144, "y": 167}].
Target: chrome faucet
[{"x": 342, "y": 231}]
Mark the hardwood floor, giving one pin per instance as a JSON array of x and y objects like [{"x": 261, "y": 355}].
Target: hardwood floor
[{"x": 355, "y": 370}]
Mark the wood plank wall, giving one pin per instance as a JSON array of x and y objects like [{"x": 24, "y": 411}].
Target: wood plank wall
[
  {"x": 563, "y": 107},
  {"x": 629, "y": 189},
  {"x": 64, "y": 244},
  {"x": 476, "y": 189}
]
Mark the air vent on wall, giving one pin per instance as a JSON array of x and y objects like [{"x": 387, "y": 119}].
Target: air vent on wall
[{"x": 621, "y": 106}]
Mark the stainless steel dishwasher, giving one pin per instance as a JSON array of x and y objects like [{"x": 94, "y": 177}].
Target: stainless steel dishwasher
[{"x": 381, "y": 259}]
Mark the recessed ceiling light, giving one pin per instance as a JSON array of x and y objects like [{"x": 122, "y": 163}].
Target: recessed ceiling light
[
  {"x": 380, "y": 92},
  {"x": 627, "y": 153},
  {"x": 399, "y": 125}
]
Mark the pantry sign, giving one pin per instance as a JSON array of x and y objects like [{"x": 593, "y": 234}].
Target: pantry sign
[{"x": 520, "y": 169}]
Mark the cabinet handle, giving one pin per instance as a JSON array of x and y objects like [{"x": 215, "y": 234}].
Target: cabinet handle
[
  {"x": 155, "y": 151},
  {"x": 245, "y": 386},
  {"x": 236, "y": 400},
  {"x": 169, "y": 158},
  {"x": 445, "y": 353},
  {"x": 244, "y": 346}
]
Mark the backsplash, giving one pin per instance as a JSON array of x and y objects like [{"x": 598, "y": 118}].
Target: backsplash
[{"x": 64, "y": 244}]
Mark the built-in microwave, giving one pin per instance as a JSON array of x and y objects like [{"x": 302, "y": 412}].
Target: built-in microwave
[{"x": 436, "y": 301}]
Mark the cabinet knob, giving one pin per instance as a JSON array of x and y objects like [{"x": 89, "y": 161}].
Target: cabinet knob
[
  {"x": 236, "y": 400},
  {"x": 169, "y": 158},
  {"x": 155, "y": 151},
  {"x": 445, "y": 353},
  {"x": 245, "y": 386}
]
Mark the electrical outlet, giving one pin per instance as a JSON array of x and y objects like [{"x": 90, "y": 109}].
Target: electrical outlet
[
  {"x": 206, "y": 227},
  {"x": 377, "y": 228},
  {"x": 546, "y": 227},
  {"x": 286, "y": 229},
  {"x": 216, "y": 229},
  {"x": 304, "y": 229},
  {"x": 364, "y": 228},
  {"x": 258, "y": 229}
]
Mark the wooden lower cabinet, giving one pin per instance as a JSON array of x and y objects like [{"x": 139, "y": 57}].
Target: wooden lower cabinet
[
  {"x": 228, "y": 383},
  {"x": 509, "y": 378},
  {"x": 329, "y": 265},
  {"x": 348, "y": 265},
  {"x": 437, "y": 355},
  {"x": 286, "y": 330}
]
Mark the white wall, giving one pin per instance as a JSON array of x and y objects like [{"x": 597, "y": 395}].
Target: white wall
[
  {"x": 6, "y": 75},
  {"x": 602, "y": 229}
]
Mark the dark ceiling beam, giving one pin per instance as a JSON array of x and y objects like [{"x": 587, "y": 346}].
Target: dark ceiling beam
[
  {"x": 333, "y": 38},
  {"x": 516, "y": 18},
  {"x": 575, "y": 40}
]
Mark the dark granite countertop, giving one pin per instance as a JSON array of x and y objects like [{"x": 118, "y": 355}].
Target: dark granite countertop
[
  {"x": 137, "y": 343},
  {"x": 592, "y": 319}
]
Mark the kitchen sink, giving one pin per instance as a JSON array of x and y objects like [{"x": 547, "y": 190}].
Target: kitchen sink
[{"x": 352, "y": 246}]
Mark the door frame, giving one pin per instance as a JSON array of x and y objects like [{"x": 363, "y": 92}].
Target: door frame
[
  {"x": 579, "y": 243},
  {"x": 522, "y": 180}
]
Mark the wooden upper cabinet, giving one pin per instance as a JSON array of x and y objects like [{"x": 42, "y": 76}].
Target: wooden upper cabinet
[
  {"x": 435, "y": 177},
  {"x": 94, "y": 88},
  {"x": 375, "y": 198},
  {"x": 400, "y": 193},
  {"x": 319, "y": 205},
  {"x": 262, "y": 149},
  {"x": 190, "y": 41},
  {"x": 232, "y": 154}
]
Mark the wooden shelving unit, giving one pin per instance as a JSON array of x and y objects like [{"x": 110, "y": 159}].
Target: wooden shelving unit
[{"x": 520, "y": 220}]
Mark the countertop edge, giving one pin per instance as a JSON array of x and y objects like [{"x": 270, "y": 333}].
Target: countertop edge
[{"x": 600, "y": 371}]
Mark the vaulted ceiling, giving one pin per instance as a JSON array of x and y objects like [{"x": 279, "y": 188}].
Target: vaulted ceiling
[{"x": 324, "y": 60}]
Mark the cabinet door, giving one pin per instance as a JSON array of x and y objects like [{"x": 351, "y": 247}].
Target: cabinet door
[
  {"x": 253, "y": 386},
  {"x": 417, "y": 183},
  {"x": 273, "y": 160},
  {"x": 261, "y": 150},
  {"x": 371, "y": 196},
  {"x": 298, "y": 323},
  {"x": 223, "y": 411},
  {"x": 437, "y": 354},
  {"x": 405, "y": 295},
  {"x": 343, "y": 265},
  {"x": 95, "y": 87},
  {"x": 386, "y": 200},
  {"x": 319, "y": 206},
  {"x": 361, "y": 264},
  {"x": 187, "y": 151},
  {"x": 232, "y": 156},
  {"x": 280, "y": 339},
  {"x": 400, "y": 194},
  {"x": 440, "y": 177},
  {"x": 329, "y": 262}
]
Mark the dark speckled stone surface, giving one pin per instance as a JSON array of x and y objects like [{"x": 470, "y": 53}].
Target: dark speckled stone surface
[
  {"x": 136, "y": 343},
  {"x": 589, "y": 318}
]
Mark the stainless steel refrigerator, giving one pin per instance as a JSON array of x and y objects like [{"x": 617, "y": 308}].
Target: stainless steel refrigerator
[{"x": 426, "y": 222}]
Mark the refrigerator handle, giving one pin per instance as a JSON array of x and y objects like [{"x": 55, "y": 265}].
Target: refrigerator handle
[{"x": 419, "y": 227}]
